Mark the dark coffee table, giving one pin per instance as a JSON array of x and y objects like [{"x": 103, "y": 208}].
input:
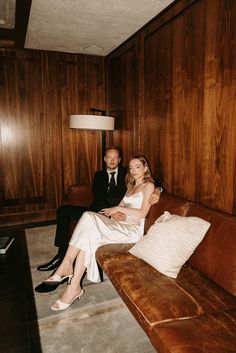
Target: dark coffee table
[{"x": 15, "y": 292}]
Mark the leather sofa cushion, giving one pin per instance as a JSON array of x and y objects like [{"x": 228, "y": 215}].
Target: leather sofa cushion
[
  {"x": 214, "y": 333},
  {"x": 152, "y": 297},
  {"x": 215, "y": 257}
]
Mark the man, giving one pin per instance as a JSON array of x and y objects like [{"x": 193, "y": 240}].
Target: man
[{"x": 108, "y": 190}]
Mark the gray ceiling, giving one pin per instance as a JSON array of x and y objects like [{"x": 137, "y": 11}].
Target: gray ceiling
[
  {"x": 83, "y": 26},
  {"x": 7, "y": 13}
]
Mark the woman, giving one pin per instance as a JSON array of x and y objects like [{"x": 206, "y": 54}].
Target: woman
[{"x": 96, "y": 229}]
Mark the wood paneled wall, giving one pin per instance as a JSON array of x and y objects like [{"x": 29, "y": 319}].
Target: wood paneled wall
[
  {"x": 172, "y": 88},
  {"x": 122, "y": 99},
  {"x": 39, "y": 154},
  {"x": 179, "y": 76}
]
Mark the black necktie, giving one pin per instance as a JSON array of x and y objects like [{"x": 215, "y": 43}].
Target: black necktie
[{"x": 112, "y": 183}]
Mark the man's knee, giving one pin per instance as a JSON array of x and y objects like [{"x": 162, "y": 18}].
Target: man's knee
[
  {"x": 70, "y": 212},
  {"x": 62, "y": 211}
]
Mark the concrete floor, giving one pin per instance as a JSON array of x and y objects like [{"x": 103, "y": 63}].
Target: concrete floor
[{"x": 99, "y": 322}]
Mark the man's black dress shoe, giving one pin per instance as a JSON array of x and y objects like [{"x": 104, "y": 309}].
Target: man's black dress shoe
[{"x": 51, "y": 265}]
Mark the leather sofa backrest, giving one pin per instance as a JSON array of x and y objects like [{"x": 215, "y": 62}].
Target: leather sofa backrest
[
  {"x": 80, "y": 195},
  {"x": 167, "y": 202},
  {"x": 215, "y": 257}
]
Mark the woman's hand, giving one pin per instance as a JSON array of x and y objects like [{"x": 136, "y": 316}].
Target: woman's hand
[
  {"x": 109, "y": 211},
  {"x": 118, "y": 216}
]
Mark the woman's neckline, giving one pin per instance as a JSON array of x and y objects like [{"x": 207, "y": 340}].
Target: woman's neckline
[
  {"x": 139, "y": 192},
  {"x": 135, "y": 187}
]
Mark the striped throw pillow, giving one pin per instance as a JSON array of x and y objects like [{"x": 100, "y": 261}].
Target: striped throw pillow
[{"x": 170, "y": 241}]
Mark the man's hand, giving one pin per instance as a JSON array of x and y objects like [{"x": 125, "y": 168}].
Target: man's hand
[
  {"x": 118, "y": 216},
  {"x": 154, "y": 198}
]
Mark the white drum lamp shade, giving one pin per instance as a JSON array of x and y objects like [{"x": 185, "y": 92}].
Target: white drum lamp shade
[{"x": 92, "y": 122}]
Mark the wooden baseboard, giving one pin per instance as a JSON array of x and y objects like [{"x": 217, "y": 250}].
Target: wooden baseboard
[{"x": 27, "y": 218}]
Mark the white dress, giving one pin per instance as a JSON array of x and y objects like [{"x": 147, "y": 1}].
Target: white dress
[{"x": 94, "y": 230}]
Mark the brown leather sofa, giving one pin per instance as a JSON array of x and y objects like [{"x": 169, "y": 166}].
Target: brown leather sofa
[{"x": 194, "y": 313}]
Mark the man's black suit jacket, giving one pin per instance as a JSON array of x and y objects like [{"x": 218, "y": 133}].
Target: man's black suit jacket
[{"x": 101, "y": 197}]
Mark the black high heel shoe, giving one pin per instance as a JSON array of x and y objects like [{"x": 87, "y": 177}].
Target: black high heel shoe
[{"x": 52, "y": 283}]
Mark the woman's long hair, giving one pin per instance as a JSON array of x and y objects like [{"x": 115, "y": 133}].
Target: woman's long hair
[{"x": 130, "y": 181}]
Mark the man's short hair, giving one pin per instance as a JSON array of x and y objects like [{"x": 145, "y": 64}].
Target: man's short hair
[{"x": 114, "y": 148}]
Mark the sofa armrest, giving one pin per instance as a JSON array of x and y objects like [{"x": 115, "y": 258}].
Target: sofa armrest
[{"x": 80, "y": 195}]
